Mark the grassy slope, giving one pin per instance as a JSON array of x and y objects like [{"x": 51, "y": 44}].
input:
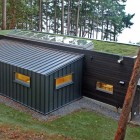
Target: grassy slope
[
  {"x": 115, "y": 48},
  {"x": 79, "y": 125}
]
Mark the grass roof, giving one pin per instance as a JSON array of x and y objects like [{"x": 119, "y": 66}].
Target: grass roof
[
  {"x": 107, "y": 47},
  {"x": 116, "y": 48}
]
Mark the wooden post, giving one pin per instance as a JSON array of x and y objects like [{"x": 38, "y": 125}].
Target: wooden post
[
  {"x": 122, "y": 124},
  {"x": 3, "y": 14}
]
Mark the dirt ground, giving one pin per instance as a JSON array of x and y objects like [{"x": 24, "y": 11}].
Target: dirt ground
[{"x": 10, "y": 133}]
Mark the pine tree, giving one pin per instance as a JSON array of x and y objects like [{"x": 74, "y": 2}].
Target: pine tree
[{"x": 4, "y": 14}]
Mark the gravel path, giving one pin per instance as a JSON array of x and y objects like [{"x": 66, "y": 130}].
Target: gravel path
[{"x": 84, "y": 103}]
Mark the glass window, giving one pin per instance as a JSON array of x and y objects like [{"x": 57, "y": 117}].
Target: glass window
[
  {"x": 104, "y": 87},
  {"x": 63, "y": 81},
  {"x": 23, "y": 79}
]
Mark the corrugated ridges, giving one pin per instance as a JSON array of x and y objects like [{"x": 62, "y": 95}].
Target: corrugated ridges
[{"x": 34, "y": 58}]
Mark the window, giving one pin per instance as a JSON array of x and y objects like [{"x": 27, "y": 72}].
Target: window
[
  {"x": 22, "y": 79},
  {"x": 104, "y": 87},
  {"x": 63, "y": 81}
]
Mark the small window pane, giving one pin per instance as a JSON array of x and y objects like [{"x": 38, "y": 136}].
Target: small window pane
[
  {"x": 22, "y": 78},
  {"x": 62, "y": 81},
  {"x": 104, "y": 87}
]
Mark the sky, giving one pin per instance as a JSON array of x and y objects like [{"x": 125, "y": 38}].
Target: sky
[{"x": 132, "y": 34}]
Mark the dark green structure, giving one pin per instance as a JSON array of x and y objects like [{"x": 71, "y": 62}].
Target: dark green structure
[
  {"x": 47, "y": 60},
  {"x": 29, "y": 74}
]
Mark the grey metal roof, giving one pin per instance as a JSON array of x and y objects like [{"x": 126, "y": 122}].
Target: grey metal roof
[{"x": 34, "y": 58}]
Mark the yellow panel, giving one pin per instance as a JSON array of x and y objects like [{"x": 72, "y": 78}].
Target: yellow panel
[
  {"x": 63, "y": 80},
  {"x": 22, "y": 78},
  {"x": 104, "y": 86},
  {"x": 68, "y": 78}
]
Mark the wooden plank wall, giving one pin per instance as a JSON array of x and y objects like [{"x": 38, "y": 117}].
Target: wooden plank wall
[
  {"x": 104, "y": 68},
  {"x": 98, "y": 67},
  {"x": 136, "y": 104}
]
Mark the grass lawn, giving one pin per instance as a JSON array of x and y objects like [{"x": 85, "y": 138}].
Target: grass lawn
[{"x": 80, "y": 125}]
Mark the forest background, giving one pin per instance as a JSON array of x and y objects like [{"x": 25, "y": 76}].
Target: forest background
[{"x": 98, "y": 19}]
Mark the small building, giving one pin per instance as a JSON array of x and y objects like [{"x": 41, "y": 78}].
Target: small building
[
  {"x": 45, "y": 73},
  {"x": 43, "y": 79}
]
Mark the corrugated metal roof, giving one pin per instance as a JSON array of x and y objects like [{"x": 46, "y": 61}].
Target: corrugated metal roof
[{"x": 34, "y": 58}]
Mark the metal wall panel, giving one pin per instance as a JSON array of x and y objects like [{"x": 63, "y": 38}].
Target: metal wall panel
[
  {"x": 99, "y": 66},
  {"x": 35, "y": 96},
  {"x": 29, "y": 96},
  {"x": 56, "y": 98},
  {"x": 41, "y": 95}
]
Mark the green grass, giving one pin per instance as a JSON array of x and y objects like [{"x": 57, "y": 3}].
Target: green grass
[
  {"x": 4, "y": 32},
  {"x": 115, "y": 48},
  {"x": 83, "y": 125},
  {"x": 107, "y": 47}
]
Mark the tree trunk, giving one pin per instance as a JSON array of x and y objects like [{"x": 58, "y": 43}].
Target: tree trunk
[
  {"x": 40, "y": 16},
  {"x": 55, "y": 1},
  {"x": 92, "y": 30},
  {"x": 47, "y": 16},
  {"x": 12, "y": 24},
  {"x": 102, "y": 20},
  {"x": 97, "y": 28},
  {"x": 106, "y": 32},
  {"x": 110, "y": 32},
  {"x": 120, "y": 134},
  {"x": 80, "y": 31},
  {"x": 62, "y": 18},
  {"x": 4, "y": 14},
  {"x": 68, "y": 19},
  {"x": 97, "y": 21},
  {"x": 26, "y": 20},
  {"x": 77, "y": 20},
  {"x": 114, "y": 34}
]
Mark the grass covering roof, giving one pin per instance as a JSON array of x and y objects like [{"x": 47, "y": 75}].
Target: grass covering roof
[
  {"x": 107, "y": 47},
  {"x": 116, "y": 48}
]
